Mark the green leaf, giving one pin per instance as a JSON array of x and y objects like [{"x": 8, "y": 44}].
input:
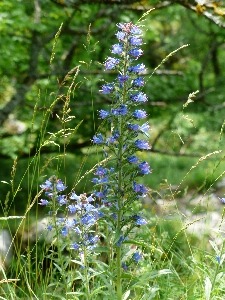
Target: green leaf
[
  {"x": 126, "y": 295},
  {"x": 117, "y": 236},
  {"x": 127, "y": 276},
  {"x": 75, "y": 293},
  {"x": 77, "y": 262},
  {"x": 208, "y": 288},
  {"x": 54, "y": 296},
  {"x": 58, "y": 267},
  {"x": 98, "y": 290},
  {"x": 102, "y": 249}
]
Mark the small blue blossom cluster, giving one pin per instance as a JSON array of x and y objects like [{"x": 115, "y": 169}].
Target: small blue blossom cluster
[
  {"x": 222, "y": 200},
  {"x": 118, "y": 189},
  {"x": 125, "y": 90},
  {"x": 82, "y": 214},
  {"x": 53, "y": 188},
  {"x": 136, "y": 257}
]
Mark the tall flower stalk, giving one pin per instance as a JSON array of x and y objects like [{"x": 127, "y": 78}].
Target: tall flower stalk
[
  {"x": 118, "y": 188},
  {"x": 115, "y": 200}
]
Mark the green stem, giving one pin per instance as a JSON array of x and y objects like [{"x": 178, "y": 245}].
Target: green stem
[
  {"x": 119, "y": 214},
  {"x": 221, "y": 252},
  {"x": 86, "y": 274},
  {"x": 57, "y": 234},
  {"x": 120, "y": 184},
  {"x": 118, "y": 252}
]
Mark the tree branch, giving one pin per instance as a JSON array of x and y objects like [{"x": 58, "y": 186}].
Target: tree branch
[
  {"x": 206, "y": 9},
  {"x": 75, "y": 3}
]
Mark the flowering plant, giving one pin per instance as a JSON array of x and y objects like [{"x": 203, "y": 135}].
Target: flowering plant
[{"x": 116, "y": 188}]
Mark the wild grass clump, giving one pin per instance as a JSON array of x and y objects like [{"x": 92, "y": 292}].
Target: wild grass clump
[{"x": 101, "y": 243}]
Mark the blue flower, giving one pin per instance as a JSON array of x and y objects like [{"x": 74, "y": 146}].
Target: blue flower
[
  {"x": 117, "y": 49},
  {"x": 141, "y": 221},
  {"x": 47, "y": 185},
  {"x": 111, "y": 63},
  {"x": 140, "y": 114},
  {"x": 93, "y": 239},
  {"x": 95, "y": 180},
  {"x": 98, "y": 139},
  {"x": 136, "y": 52},
  {"x": 133, "y": 127},
  {"x": 218, "y": 259},
  {"x": 135, "y": 30},
  {"x": 126, "y": 27},
  {"x": 90, "y": 199},
  {"x": 124, "y": 266},
  {"x": 139, "y": 97},
  {"x": 135, "y": 41},
  {"x": 122, "y": 78},
  {"x": 89, "y": 207},
  {"x": 44, "y": 202},
  {"x": 74, "y": 196},
  {"x": 114, "y": 216},
  {"x": 60, "y": 186},
  {"x": 137, "y": 69},
  {"x": 70, "y": 223},
  {"x": 77, "y": 230},
  {"x": 61, "y": 199},
  {"x": 121, "y": 240},
  {"x": 139, "y": 188},
  {"x": 99, "y": 214},
  {"x": 122, "y": 110},
  {"x": 129, "y": 28},
  {"x": 50, "y": 227},
  {"x": 144, "y": 168},
  {"x": 75, "y": 246},
  {"x": 106, "y": 203},
  {"x": 113, "y": 138},
  {"x": 222, "y": 200},
  {"x": 142, "y": 144},
  {"x": 64, "y": 231},
  {"x": 144, "y": 128},
  {"x": 116, "y": 134},
  {"x": 88, "y": 220},
  {"x": 72, "y": 208},
  {"x": 50, "y": 194},
  {"x": 121, "y": 35},
  {"x": 137, "y": 256},
  {"x": 104, "y": 113},
  {"x": 133, "y": 159},
  {"x": 139, "y": 81},
  {"x": 101, "y": 171},
  {"x": 107, "y": 88},
  {"x": 99, "y": 194},
  {"x": 60, "y": 221},
  {"x": 115, "y": 112}
]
